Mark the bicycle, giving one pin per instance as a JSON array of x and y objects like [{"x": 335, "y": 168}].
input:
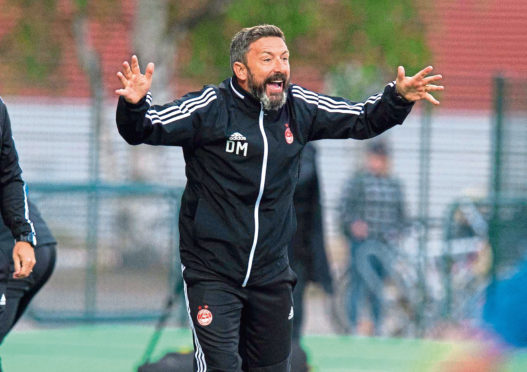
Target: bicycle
[{"x": 409, "y": 301}]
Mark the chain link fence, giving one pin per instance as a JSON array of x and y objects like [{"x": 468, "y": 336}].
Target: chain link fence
[
  {"x": 443, "y": 158},
  {"x": 117, "y": 257},
  {"x": 486, "y": 233},
  {"x": 507, "y": 233}
]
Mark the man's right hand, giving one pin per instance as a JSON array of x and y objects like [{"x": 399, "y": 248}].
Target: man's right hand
[{"x": 135, "y": 84}]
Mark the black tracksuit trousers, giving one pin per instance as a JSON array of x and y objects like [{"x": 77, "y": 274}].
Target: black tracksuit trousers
[
  {"x": 20, "y": 292},
  {"x": 240, "y": 328}
]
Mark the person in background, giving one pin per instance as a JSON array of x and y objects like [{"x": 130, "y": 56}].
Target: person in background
[
  {"x": 372, "y": 210},
  {"x": 15, "y": 214},
  {"x": 20, "y": 292},
  {"x": 307, "y": 253}
]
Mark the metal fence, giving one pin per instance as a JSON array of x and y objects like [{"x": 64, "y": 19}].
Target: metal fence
[
  {"x": 441, "y": 157},
  {"x": 509, "y": 177},
  {"x": 486, "y": 235},
  {"x": 117, "y": 251}
]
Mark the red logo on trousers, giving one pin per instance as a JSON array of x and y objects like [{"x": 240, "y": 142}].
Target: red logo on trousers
[{"x": 204, "y": 316}]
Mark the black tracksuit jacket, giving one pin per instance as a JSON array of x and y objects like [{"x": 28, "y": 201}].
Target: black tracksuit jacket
[
  {"x": 242, "y": 166},
  {"x": 13, "y": 197}
]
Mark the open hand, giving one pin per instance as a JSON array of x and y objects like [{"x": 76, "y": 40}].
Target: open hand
[
  {"x": 418, "y": 87},
  {"x": 135, "y": 84}
]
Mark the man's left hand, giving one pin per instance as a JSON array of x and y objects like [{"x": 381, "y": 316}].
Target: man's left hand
[
  {"x": 418, "y": 87},
  {"x": 24, "y": 259}
]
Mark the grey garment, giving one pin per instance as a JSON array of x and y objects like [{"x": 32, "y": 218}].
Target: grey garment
[
  {"x": 376, "y": 200},
  {"x": 44, "y": 235}
]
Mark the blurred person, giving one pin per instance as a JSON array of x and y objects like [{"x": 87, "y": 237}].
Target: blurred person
[
  {"x": 242, "y": 142},
  {"x": 20, "y": 292},
  {"x": 15, "y": 214},
  {"x": 307, "y": 254},
  {"x": 487, "y": 342},
  {"x": 505, "y": 309},
  {"x": 372, "y": 210}
]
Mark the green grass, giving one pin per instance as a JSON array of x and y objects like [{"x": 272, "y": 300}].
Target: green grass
[{"x": 119, "y": 348}]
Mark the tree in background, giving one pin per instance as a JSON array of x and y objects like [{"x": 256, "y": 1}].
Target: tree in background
[
  {"x": 33, "y": 53},
  {"x": 158, "y": 30},
  {"x": 351, "y": 44},
  {"x": 370, "y": 38},
  {"x": 383, "y": 35},
  {"x": 325, "y": 34},
  {"x": 31, "y": 48}
]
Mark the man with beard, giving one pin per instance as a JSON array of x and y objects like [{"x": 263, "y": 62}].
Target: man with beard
[{"x": 242, "y": 142}]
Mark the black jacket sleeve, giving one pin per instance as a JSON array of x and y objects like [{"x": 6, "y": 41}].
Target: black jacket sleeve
[
  {"x": 174, "y": 124},
  {"x": 13, "y": 198},
  {"x": 337, "y": 117}
]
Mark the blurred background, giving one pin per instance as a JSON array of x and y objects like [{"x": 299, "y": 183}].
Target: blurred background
[{"x": 462, "y": 165}]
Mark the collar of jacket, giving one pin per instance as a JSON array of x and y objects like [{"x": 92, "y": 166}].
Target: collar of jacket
[{"x": 246, "y": 100}]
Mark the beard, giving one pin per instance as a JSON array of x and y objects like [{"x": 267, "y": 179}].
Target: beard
[{"x": 275, "y": 101}]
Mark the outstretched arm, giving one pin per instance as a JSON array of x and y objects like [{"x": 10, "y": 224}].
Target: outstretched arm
[
  {"x": 173, "y": 124},
  {"x": 338, "y": 117},
  {"x": 418, "y": 87},
  {"x": 135, "y": 84}
]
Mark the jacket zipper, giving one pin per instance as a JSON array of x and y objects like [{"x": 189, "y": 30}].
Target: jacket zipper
[{"x": 260, "y": 193}]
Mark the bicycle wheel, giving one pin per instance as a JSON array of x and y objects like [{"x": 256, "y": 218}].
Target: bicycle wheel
[
  {"x": 394, "y": 288},
  {"x": 340, "y": 302}
]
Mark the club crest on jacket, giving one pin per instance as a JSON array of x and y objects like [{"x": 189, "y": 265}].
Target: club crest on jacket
[{"x": 288, "y": 135}]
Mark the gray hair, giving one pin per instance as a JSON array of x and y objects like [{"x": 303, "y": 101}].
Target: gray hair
[{"x": 243, "y": 39}]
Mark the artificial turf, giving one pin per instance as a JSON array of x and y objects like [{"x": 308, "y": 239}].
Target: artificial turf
[{"x": 120, "y": 348}]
